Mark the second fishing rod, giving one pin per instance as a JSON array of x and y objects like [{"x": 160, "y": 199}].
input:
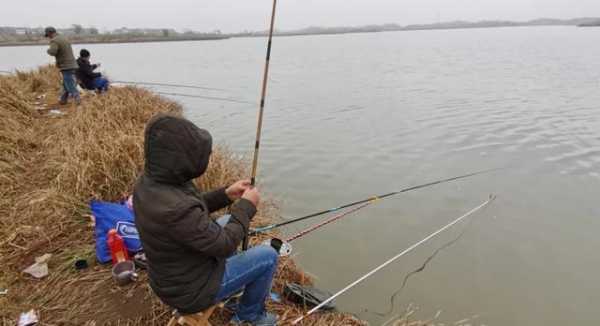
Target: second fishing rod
[{"x": 367, "y": 200}]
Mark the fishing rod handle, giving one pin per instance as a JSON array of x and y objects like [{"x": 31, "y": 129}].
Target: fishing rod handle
[{"x": 245, "y": 243}]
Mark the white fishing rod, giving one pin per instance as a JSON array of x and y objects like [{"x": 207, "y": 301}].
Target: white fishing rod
[{"x": 391, "y": 260}]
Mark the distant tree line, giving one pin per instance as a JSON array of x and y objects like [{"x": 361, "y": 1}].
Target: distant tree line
[
  {"x": 80, "y": 33},
  {"x": 78, "y": 29}
]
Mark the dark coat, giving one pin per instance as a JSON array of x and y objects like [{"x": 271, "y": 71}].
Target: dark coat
[
  {"x": 60, "y": 48},
  {"x": 86, "y": 74},
  {"x": 186, "y": 249}
]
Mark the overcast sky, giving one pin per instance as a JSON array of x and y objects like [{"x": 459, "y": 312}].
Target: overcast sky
[{"x": 238, "y": 15}]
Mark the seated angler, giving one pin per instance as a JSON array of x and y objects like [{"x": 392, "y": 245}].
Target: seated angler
[
  {"x": 191, "y": 258},
  {"x": 87, "y": 77}
]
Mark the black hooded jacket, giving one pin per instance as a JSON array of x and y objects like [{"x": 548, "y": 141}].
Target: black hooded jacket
[
  {"x": 86, "y": 74},
  {"x": 186, "y": 249}
]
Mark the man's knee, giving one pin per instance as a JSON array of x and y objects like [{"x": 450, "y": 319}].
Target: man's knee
[{"x": 268, "y": 253}]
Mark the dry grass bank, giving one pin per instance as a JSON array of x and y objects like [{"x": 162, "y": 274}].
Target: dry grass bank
[{"x": 50, "y": 167}]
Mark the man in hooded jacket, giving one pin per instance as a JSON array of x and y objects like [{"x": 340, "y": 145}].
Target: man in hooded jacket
[{"x": 191, "y": 261}]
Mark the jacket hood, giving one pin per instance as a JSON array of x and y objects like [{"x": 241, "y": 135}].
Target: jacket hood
[{"x": 176, "y": 150}]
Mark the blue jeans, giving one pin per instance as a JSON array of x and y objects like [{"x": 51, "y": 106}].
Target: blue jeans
[
  {"x": 69, "y": 86},
  {"x": 253, "y": 271},
  {"x": 100, "y": 84}
]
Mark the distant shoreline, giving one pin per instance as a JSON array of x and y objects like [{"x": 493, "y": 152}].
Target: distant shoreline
[
  {"x": 597, "y": 24},
  {"x": 576, "y": 22},
  {"x": 291, "y": 34},
  {"x": 286, "y": 34},
  {"x": 118, "y": 41},
  {"x": 122, "y": 39}
]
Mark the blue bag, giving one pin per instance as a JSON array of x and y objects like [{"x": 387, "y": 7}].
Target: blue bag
[{"x": 114, "y": 216}]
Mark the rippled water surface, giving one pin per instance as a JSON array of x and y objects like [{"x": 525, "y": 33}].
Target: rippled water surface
[{"x": 350, "y": 116}]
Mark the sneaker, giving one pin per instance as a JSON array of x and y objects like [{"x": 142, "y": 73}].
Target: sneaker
[
  {"x": 232, "y": 304},
  {"x": 267, "y": 319},
  {"x": 64, "y": 99}
]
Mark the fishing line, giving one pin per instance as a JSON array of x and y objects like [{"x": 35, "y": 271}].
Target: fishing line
[
  {"x": 166, "y": 85},
  {"x": 391, "y": 260},
  {"x": 418, "y": 270},
  {"x": 210, "y": 98}
]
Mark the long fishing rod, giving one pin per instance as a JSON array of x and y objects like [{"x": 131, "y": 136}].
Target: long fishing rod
[
  {"x": 391, "y": 260},
  {"x": 370, "y": 199},
  {"x": 166, "y": 85},
  {"x": 262, "y": 106}
]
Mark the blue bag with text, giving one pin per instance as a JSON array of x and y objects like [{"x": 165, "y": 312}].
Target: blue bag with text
[{"x": 114, "y": 216}]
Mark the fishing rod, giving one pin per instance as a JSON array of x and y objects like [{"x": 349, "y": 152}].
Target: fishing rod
[
  {"x": 391, "y": 260},
  {"x": 285, "y": 244},
  {"x": 211, "y": 98},
  {"x": 166, "y": 85},
  {"x": 284, "y": 248},
  {"x": 328, "y": 221},
  {"x": 370, "y": 199},
  {"x": 261, "y": 107}
]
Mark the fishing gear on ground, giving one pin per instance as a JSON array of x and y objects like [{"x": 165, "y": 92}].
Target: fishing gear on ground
[{"x": 307, "y": 296}]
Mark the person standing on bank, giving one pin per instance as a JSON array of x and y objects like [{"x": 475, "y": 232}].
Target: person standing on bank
[
  {"x": 87, "y": 77},
  {"x": 60, "y": 48},
  {"x": 192, "y": 260}
]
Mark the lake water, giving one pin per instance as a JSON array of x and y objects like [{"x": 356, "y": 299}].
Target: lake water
[{"x": 350, "y": 116}]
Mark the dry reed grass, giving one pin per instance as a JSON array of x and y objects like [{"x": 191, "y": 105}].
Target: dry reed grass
[{"x": 50, "y": 167}]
